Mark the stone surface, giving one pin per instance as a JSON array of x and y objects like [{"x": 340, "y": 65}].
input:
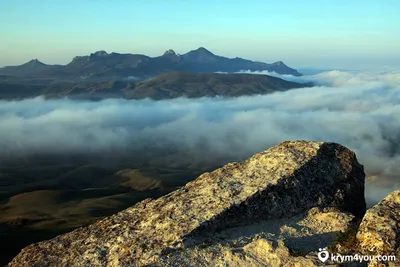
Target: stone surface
[
  {"x": 280, "y": 183},
  {"x": 379, "y": 231},
  {"x": 282, "y": 242},
  {"x": 259, "y": 252}
]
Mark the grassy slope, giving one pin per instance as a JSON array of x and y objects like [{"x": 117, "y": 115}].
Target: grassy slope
[{"x": 164, "y": 86}]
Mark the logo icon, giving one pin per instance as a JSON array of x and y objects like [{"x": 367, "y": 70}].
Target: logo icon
[{"x": 323, "y": 254}]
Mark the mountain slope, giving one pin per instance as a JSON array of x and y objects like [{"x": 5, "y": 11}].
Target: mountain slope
[
  {"x": 101, "y": 65},
  {"x": 32, "y": 68},
  {"x": 176, "y": 84},
  {"x": 165, "y": 86}
]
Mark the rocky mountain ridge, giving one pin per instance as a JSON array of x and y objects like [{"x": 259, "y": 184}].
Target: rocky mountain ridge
[
  {"x": 276, "y": 208},
  {"x": 103, "y": 65}
]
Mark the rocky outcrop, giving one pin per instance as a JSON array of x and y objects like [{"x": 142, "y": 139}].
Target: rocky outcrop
[
  {"x": 285, "y": 195},
  {"x": 379, "y": 231}
]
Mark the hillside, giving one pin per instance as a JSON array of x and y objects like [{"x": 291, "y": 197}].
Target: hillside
[
  {"x": 164, "y": 86},
  {"x": 102, "y": 65},
  {"x": 176, "y": 84}
]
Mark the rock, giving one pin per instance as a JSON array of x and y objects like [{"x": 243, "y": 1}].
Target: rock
[
  {"x": 283, "y": 242},
  {"x": 275, "y": 255},
  {"x": 280, "y": 183},
  {"x": 260, "y": 252},
  {"x": 379, "y": 231}
]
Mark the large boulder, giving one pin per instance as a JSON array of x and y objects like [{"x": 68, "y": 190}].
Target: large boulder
[
  {"x": 282, "y": 182},
  {"x": 379, "y": 231}
]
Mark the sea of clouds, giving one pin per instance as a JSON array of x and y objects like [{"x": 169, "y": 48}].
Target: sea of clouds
[{"x": 357, "y": 109}]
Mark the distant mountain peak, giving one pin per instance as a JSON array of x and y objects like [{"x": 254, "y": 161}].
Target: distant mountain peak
[
  {"x": 80, "y": 58},
  {"x": 203, "y": 50},
  {"x": 279, "y": 64},
  {"x": 34, "y": 62},
  {"x": 170, "y": 52},
  {"x": 200, "y": 55},
  {"x": 100, "y": 53}
]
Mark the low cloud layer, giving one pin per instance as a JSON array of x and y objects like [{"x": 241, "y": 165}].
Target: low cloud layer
[{"x": 358, "y": 110}]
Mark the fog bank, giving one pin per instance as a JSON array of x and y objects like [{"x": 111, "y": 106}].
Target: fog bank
[{"x": 358, "y": 110}]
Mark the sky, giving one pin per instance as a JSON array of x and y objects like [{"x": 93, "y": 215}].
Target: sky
[
  {"x": 358, "y": 110},
  {"x": 317, "y": 34}
]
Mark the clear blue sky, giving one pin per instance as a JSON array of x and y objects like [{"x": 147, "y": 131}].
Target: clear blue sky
[{"x": 324, "y": 33}]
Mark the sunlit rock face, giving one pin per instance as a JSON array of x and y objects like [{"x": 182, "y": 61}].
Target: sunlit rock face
[
  {"x": 379, "y": 231},
  {"x": 294, "y": 183}
]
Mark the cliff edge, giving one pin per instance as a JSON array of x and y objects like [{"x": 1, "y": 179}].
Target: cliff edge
[{"x": 275, "y": 208}]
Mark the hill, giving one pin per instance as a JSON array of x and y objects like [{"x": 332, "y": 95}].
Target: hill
[
  {"x": 164, "y": 86},
  {"x": 102, "y": 65},
  {"x": 177, "y": 84}
]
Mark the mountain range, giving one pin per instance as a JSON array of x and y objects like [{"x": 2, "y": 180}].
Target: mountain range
[{"x": 102, "y": 65}]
